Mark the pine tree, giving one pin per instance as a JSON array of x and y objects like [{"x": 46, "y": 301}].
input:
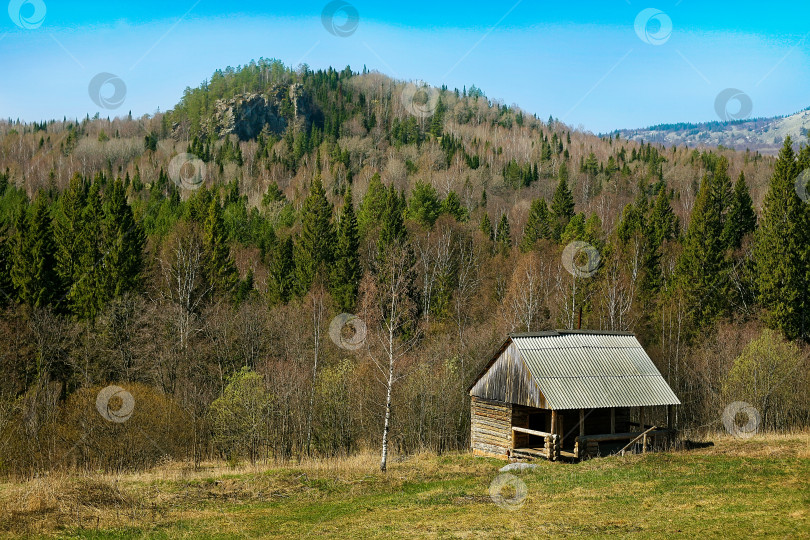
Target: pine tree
[
  {"x": 781, "y": 250},
  {"x": 742, "y": 219},
  {"x": 562, "y": 205},
  {"x": 537, "y": 225},
  {"x": 219, "y": 267},
  {"x": 347, "y": 272},
  {"x": 314, "y": 250}
]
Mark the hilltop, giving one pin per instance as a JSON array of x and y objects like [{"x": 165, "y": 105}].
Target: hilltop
[{"x": 765, "y": 135}]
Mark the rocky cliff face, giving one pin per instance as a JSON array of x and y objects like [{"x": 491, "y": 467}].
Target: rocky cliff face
[{"x": 246, "y": 115}]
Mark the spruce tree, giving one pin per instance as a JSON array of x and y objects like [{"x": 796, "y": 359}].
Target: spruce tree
[
  {"x": 124, "y": 239},
  {"x": 575, "y": 230},
  {"x": 486, "y": 227},
  {"x": 219, "y": 268},
  {"x": 68, "y": 228},
  {"x": 781, "y": 250},
  {"x": 663, "y": 221},
  {"x": 6, "y": 285},
  {"x": 314, "y": 250},
  {"x": 86, "y": 295},
  {"x": 346, "y": 272},
  {"x": 281, "y": 273},
  {"x": 393, "y": 222},
  {"x": 537, "y": 225},
  {"x": 424, "y": 206},
  {"x": 437, "y": 121},
  {"x": 33, "y": 270},
  {"x": 702, "y": 268},
  {"x": 742, "y": 219},
  {"x": 504, "y": 234},
  {"x": 451, "y": 205},
  {"x": 562, "y": 205},
  {"x": 372, "y": 207},
  {"x": 660, "y": 227}
]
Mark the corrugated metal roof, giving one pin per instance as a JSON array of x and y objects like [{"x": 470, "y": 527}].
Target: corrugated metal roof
[{"x": 576, "y": 370}]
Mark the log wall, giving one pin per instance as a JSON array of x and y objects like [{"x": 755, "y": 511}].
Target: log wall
[{"x": 491, "y": 428}]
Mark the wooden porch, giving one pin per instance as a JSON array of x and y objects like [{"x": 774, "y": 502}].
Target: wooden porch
[{"x": 527, "y": 443}]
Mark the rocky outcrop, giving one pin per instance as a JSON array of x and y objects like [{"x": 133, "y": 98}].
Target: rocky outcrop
[{"x": 246, "y": 115}]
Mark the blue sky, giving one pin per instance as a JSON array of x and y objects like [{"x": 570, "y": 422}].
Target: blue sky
[{"x": 582, "y": 62}]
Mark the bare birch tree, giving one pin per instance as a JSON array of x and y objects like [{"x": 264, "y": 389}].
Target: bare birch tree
[{"x": 388, "y": 302}]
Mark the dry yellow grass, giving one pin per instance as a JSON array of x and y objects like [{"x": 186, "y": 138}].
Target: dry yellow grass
[{"x": 757, "y": 486}]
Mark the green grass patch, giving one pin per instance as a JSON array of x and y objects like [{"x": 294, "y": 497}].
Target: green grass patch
[{"x": 725, "y": 492}]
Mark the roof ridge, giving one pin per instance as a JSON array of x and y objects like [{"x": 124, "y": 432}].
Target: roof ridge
[{"x": 556, "y": 333}]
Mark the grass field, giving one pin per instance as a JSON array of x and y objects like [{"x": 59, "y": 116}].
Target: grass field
[{"x": 758, "y": 487}]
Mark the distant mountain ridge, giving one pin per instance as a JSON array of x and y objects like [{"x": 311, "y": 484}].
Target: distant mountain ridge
[{"x": 765, "y": 135}]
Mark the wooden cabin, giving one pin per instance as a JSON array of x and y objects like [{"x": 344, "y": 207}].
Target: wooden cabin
[{"x": 569, "y": 394}]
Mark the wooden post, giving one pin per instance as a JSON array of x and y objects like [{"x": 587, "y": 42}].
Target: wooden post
[
  {"x": 644, "y": 443},
  {"x": 552, "y": 451},
  {"x": 581, "y": 422},
  {"x": 612, "y": 420},
  {"x": 513, "y": 440}
]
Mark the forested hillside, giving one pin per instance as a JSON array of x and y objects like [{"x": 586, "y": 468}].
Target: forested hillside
[{"x": 198, "y": 258}]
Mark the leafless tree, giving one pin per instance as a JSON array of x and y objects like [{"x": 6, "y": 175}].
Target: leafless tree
[{"x": 387, "y": 301}]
